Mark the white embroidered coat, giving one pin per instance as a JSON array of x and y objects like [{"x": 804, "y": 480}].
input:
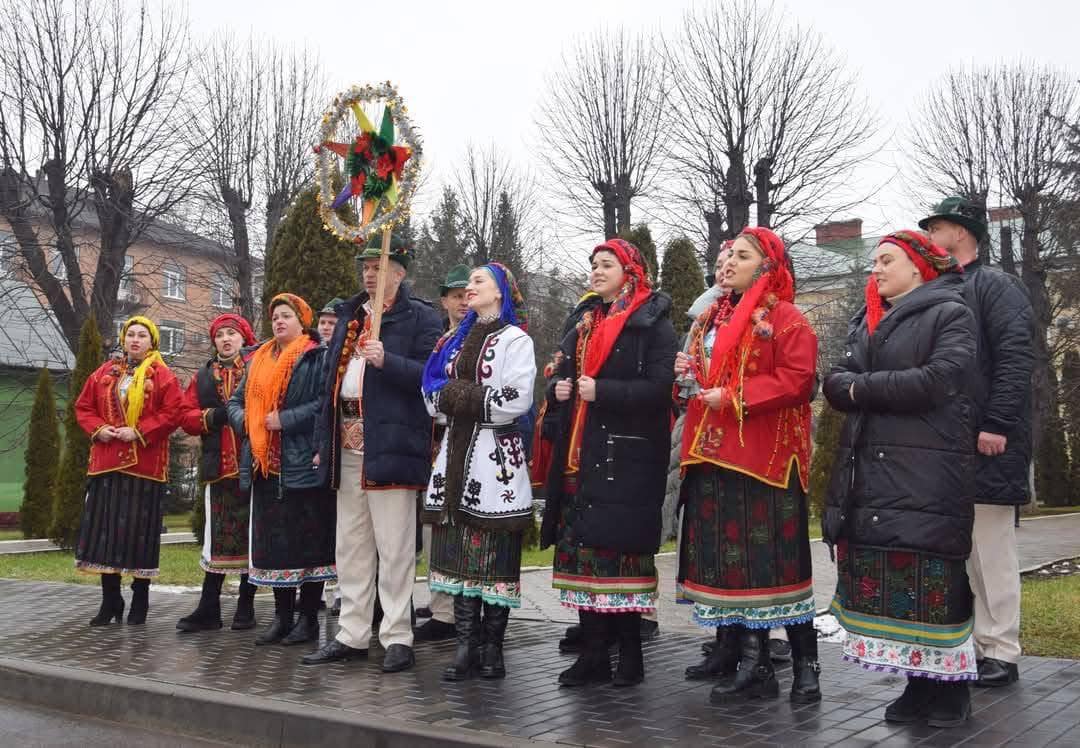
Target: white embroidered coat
[{"x": 496, "y": 478}]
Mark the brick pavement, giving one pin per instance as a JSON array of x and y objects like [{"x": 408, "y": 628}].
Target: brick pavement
[{"x": 47, "y": 624}]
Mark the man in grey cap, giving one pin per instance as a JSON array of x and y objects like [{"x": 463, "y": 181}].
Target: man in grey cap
[{"x": 1003, "y": 402}]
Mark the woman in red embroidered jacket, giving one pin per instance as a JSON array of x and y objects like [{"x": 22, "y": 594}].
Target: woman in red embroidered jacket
[
  {"x": 228, "y": 508},
  {"x": 745, "y": 552},
  {"x": 128, "y": 407}
]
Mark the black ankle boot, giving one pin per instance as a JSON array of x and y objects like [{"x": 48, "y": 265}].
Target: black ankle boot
[
  {"x": 631, "y": 668},
  {"x": 469, "y": 635},
  {"x": 722, "y": 659},
  {"x": 244, "y": 617},
  {"x": 755, "y": 678},
  {"x": 950, "y": 705},
  {"x": 140, "y": 602},
  {"x": 279, "y": 628},
  {"x": 491, "y": 659},
  {"x": 913, "y": 704},
  {"x": 593, "y": 665},
  {"x": 112, "y": 602},
  {"x": 207, "y": 616},
  {"x": 307, "y": 625},
  {"x": 805, "y": 685}
]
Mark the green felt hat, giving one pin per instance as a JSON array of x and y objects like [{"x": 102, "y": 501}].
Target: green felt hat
[
  {"x": 399, "y": 253},
  {"x": 330, "y": 305},
  {"x": 458, "y": 277},
  {"x": 957, "y": 209}
]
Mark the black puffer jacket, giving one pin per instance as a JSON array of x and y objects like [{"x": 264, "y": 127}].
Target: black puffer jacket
[
  {"x": 1002, "y": 393},
  {"x": 624, "y": 446},
  {"x": 904, "y": 476}
]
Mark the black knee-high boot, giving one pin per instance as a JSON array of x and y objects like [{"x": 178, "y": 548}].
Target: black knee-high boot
[
  {"x": 593, "y": 665},
  {"x": 469, "y": 636},
  {"x": 496, "y": 617},
  {"x": 207, "y": 616},
  {"x": 722, "y": 659},
  {"x": 631, "y": 668},
  {"x": 756, "y": 678},
  {"x": 112, "y": 602},
  {"x": 284, "y": 604},
  {"x": 805, "y": 686},
  {"x": 140, "y": 601},
  {"x": 244, "y": 617},
  {"x": 307, "y": 625}
]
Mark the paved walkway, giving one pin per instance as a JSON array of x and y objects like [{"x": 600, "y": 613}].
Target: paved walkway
[{"x": 46, "y": 627}]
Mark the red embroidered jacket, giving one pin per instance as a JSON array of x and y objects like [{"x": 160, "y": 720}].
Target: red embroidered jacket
[
  {"x": 195, "y": 418},
  {"x": 99, "y": 405},
  {"x": 775, "y": 432}
]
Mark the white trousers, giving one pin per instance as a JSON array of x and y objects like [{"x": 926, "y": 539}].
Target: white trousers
[
  {"x": 994, "y": 573},
  {"x": 376, "y": 533}
]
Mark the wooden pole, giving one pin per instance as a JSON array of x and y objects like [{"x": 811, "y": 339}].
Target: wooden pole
[{"x": 380, "y": 290}]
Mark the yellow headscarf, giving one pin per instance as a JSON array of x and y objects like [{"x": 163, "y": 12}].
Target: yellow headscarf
[{"x": 136, "y": 394}]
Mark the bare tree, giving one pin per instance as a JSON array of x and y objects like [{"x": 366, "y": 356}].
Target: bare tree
[
  {"x": 255, "y": 116},
  {"x": 90, "y": 154},
  {"x": 600, "y": 126},
  {"x": 758, "y": 100},
  {"x": 499, "y": 207}
]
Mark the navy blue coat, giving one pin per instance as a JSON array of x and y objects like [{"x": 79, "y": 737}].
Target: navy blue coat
[
  {"x": 297, "y": 416},
  {"x": 397, "y": 427}
]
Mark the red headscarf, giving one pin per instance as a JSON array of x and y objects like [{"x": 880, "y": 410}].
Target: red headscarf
[
  {"x": 774, "y": 278},
  {"x": 930, "y": 260},
  {"x": 598, "y": 330},
  {"x": 236, "y": 322}
]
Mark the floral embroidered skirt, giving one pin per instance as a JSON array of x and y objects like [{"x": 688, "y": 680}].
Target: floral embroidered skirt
[
  {"x": 744, "y": 559},
  {"x": 225, "y": 535},
  {"x": 905, "y": 611},
  {"x": 292, "y": 534},
  {"x": 120, "y": 530},
  {"x": 598, "y": 579},
  {"x": 476, "y": 562}
]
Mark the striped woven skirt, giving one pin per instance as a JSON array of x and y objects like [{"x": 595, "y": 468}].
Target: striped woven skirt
[
  {"x": 120, "y": 530},
  {"x": 476, "y": 562},
  {"x": 905, "y": 612},
  {"x": 598, "y": 579},
  {"x": 744, "y": 558},
  {"x": 292, "y": 534},
  {"x": 225, "y": 535}
]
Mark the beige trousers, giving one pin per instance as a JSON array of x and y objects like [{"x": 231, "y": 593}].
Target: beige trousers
[
  {"x": 376, "y": 532},
  {"x": 994, "y": 573}
]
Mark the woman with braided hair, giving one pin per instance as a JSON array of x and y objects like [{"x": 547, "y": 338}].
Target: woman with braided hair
[
  {"x": 479, "y": 380},
  {"x": 900, "y": 504},
  {"x": 605, "y": 489},
  {"x": 745, "y": 550},
  {"x": 129, "y": 407}
]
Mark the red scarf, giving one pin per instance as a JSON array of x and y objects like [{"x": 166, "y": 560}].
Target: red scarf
[
  {"x": 598, "y": 330},
  {"x": 735, "y": 328}
]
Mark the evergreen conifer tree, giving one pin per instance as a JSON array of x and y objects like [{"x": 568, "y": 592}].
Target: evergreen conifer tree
[
  {"x": 641, "y": 237},
  {"x": 308, "y": 260},
  {"x": 442, "y": 243},
  {"x": 70, "y": 491},
  {"x": 42, "y": 451},
  {"x": 682, "y": 279},
  {"x": 827, "y": 429}
]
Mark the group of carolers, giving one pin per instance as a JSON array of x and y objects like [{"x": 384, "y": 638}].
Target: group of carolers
[{"x": 313, "y": 449}]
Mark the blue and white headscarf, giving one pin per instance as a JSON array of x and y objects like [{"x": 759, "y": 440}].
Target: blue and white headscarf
[{"x": 512, "y": 312}]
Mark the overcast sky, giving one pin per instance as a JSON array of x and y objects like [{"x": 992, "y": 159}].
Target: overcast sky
[{"x": 474, "y": 70}]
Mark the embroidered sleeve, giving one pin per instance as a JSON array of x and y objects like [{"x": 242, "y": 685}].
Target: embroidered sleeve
[{"x": 503, "y": 404}]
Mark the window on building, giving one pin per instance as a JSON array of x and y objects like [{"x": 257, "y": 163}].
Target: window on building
[
  {"x": 172, "y": 337},
  {"x": 175, "y": 283},
  {"x": 222, "y": 296},
  {"x": 57, "y": 266},
  {"x": 127, "y": 278}
]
